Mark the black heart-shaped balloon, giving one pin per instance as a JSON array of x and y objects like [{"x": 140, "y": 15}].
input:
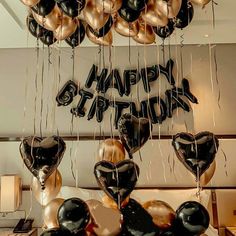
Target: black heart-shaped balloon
[
  {"x": 134, "y": 132},
  {"x": 196, "y": 152},
  {"x": 34, "y": 28},
  {"x": 137, "y": 221},
  {"x": 42, "y": 156},
  {"x": 117, "y": 180},
  {"x": 191, "y": 219},
  {"x": 164, "y": 31},
  {"x": 71, "y": 8},
  {"x": 44, "y": 7},
  {"x": 48, "y": 38},
  {"x": 73, "y": 215}
]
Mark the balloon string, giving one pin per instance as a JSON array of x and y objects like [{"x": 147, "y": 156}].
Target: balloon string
[
  {"x": 216, "y": 77},
  {"x": 212, "y": 83},
  {"x": 31, "y": 201},
  {"x": 225, "y": 165},
  {"x": 42, "y": 89},
  {"x": 181, "y": 53},
  {"x": 36, "y": 85},
  {"x": 26, "y": 87}
]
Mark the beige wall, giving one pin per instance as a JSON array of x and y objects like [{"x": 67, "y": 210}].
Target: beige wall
[{"x": 18, "y": 69}]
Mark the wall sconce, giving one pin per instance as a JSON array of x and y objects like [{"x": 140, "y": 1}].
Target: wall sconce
[{"x": 10, "y": 193}]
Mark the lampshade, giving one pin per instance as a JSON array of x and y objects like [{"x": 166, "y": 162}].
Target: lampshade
[{"x": 10, "y": 193}]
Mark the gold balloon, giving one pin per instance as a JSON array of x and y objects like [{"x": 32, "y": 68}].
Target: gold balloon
[
  {"x": 208, "y": 174},
  {"x": 50, "y": 21},
  {"x": 125, "y": 28},
  {"x": 201, "y": 2},
  {"x": 153, "y": 16},
  {"x": 170, "y": 7},
  {"x": 109, "y": 6},
  {"x": 52, "y": 188},
  {"x": 105, "y": 40},
  {"x": 30, "y": 3},
  {"x": 162, "y": 213},
  {"x": 111, "y": 150},
  {"x": 93, "y": 16},
  {"x": 145, "y": 34},
  {"x": 106, "y": 220},
  {"x": 50, "y": 213},
  {"x": 66, "y": 28},
  {"x": 108, "y": 202}
]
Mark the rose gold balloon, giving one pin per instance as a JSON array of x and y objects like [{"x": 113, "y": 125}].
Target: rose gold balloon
[
  {"x": 50, "y": 213},
  {"x": 153, "y": 16},
  {"x": 111, "y": 150},
  {"x": 93, "y": 16},
  {"x": 107, "y": 220},
  {"x": 30, "y": 3},
  {"x": 162, "y": 213},
  {"x": 170, "y": 7},
  {"x": 52, "y": 188},
  {"x": 208, "y": 174},
  {"x": 50, "y": 21},
  {"x": 201, "y": 2},
  {"x": 125, "y": 28},
  {"x": 145, "y": 34},
  {"x": 108, "y": 202},
  {"x": 109, "y": 6},
  {"x": 66, "y": 28},
  {"x": 105, "y": 40}
]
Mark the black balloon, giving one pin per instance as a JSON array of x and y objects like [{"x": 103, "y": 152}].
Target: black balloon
[
  {"x": 196, "y": 152},
  {"x": 128, "y": 14},
  {"x": 56, "y": 232},
  {"x": 134, "y": 132},
  {"x": 104, "y": 30},
  {"x": 44, "y": 7},
  {"x": 168, "y": 233},
  {"x": 71, "y": 8},
  {"x": 185, "y": 14},
  {"x": 48, "y": 38},
  {"x": 77, "y": 37},
  {"x": 117, "y": 180},
  {"x": 164, "y": 31},
  {"x": 73, "y": 215},
  {"x": 192, "y": 219},
  {"x": 42, "y": 156},
  {"x": 67, "y": 93},
  {"x": 34, "y": 28},
  {"x": 137, "y": 5},
  {"x": 137, "y": 221}
]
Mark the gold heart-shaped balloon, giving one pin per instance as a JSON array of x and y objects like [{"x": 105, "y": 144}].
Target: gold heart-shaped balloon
[
  {"x": 122, "y": 27},
  {"x": 170, "y": 7}
]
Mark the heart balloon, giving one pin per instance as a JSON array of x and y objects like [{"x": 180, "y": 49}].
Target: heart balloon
[
  {"x": 34, "y": 28},
  {"x": 73, "y": 215},
  {"x": 137, "y": 221},
  {"x": 71, "y": 8},
  {"x": 48, "y": 38},
  {"x": 44, "y": 7},
  {"x": 164, "y": 31},
  {"x": 134, "y": 132},
  {"x": 196, "y": 152},
  {"x": 191, "y": 219},
  {"x": 42, "y": 156},
  {"x": 117, "y": 180},
  {"x": 128, "y": 14},
  {"x": 137, "y": 5}
]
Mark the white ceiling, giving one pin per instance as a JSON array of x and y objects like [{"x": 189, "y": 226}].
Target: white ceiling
[{"x": 14, "y": 33}]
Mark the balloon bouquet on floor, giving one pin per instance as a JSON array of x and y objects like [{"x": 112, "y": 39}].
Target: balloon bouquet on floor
[{"x": 70, "y": 20}]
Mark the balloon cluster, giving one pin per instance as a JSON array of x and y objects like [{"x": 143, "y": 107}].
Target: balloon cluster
[
  {"x": 70, "y": 20},
  {"x": 119, "y": 214}
]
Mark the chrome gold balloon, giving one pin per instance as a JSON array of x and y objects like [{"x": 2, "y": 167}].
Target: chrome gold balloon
[
  {"x": 105, "y": 40},
  {"x": 52, "y": 188},
  {"x": 145, "y": 34},
  {"x": 170, "y": 7},
  {"x": 208, "y": 174},
  {"x": 30, "y": 3},
  {"x": 162, "y": 213},
  {"x": 66, "y": 28},
  {"x": 111, "y": 150},
  {"x": 93, "y": 16},
  {"x": 153, "y": 16},
  {"x": 122, "y": 27},
  {"x": 50, "y": 213},
  {"x": 201, "y": 2},
  {"x": 50, "y": 21}
]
